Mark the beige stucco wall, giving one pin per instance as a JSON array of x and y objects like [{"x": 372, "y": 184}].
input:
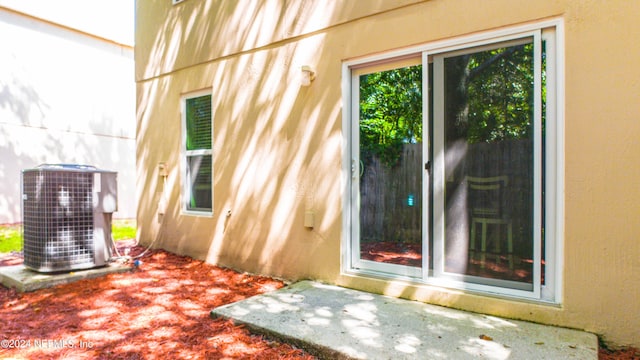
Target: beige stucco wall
[{"x": 278, "y": 146}]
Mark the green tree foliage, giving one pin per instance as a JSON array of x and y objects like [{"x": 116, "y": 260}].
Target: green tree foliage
[
  {"x": 390, "y": 112},
  {"x": 489, "y": 98},
  {"x": 500, "y": 94}
]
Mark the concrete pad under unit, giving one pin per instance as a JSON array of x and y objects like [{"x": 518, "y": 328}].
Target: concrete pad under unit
[
  {"x": 25, "y": 280},
  {"x": 332, "y": 322}
]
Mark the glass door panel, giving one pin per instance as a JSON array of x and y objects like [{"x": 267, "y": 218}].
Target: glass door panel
[
  {"x": 390, "y": 169},
  {"x": 486, "y": 136}
]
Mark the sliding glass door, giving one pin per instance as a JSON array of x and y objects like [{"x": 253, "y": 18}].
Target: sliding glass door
[{"x": 452, "y": 164}]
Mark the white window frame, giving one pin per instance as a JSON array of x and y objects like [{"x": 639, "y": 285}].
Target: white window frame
[
  {"x": 185, "y": 154},
  {"x": 551, "y": 31},
  {"x": 356, "y": 261}
]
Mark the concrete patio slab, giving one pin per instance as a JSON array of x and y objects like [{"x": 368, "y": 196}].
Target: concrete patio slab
[
  {"x": 25, "y": 280},
  {"x": 338, "y": 323}
]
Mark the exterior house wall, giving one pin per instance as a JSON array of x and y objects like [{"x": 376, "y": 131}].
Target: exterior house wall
[
  {"x": 65, "y": 97},
  {"x": 278, "y": 147}
]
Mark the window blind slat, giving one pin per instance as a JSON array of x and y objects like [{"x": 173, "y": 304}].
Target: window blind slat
[{"x": 199, "y": 123}]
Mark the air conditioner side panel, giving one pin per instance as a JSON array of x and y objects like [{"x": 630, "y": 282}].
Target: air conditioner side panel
[{"x": 106, "y": 184}]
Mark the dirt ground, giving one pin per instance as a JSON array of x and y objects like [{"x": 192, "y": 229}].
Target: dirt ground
[{"x": 158, "y": 311}]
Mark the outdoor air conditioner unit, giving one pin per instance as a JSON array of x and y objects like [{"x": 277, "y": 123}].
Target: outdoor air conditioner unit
[{"x": 66, "y": 213}]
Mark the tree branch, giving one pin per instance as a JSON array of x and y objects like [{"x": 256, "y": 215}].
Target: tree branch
[{"x": 480, "y": 68}]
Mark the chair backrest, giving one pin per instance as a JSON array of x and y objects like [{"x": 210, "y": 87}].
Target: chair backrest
[{"x": 486, "y": 196}]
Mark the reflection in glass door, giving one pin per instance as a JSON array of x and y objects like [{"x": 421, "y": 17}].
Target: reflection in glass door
[
  {"x": 485, "y": 140},
  {"x": 388, "y": 168}
]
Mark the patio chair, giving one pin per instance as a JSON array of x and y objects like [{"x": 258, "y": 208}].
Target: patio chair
[{"x": 488, "y": 207}]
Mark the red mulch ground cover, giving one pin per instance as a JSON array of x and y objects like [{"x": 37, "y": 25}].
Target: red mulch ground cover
[
  {"x": 624, "y": 354},
  {"x": 159, "y": 311}
]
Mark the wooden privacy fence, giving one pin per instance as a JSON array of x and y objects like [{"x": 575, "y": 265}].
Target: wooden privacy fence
[{"x": 391, "y": 197}]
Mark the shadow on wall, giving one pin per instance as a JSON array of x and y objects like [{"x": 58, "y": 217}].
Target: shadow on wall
[
  {"x": 277, "y": 148},
  {"x": 22, "y": 102},
  {"x": 31, "y": 133},
  {"x": 65, "y": 97},
  {"x": 277, "y": 145}
]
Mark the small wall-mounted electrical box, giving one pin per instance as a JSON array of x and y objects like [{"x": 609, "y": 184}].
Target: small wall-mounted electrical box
[
  {"x": 162, "y": 169},
  {"x": 309, "y": 217}
]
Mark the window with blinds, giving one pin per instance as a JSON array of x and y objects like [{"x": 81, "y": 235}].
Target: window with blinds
[
  {"x": 198, "y": 192},
  {"x": 199, "y": 123}
]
